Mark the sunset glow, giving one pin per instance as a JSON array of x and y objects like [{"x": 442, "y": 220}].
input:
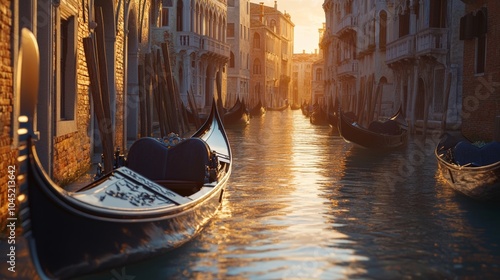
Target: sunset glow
[{"x": 308, "y": 16}]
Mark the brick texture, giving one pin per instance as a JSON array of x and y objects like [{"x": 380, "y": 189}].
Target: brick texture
[{"x": 481, "y": 93}]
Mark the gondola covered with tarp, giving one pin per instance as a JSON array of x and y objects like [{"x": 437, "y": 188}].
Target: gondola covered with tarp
[
  {"x": 388, "y": 134},
  {"x": 472, "y": 169}
]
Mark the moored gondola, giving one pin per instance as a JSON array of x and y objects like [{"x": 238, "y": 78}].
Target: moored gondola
[
  {"x": 281, "y": 108},
  {"x": 318, "y": 116},
  {"x": 238, "y": 115},
  {"x": 380, "y": 135},
  {"x": 160, "y": 200},
  {"x": 470, "y": 170},
  {"x": 258, "y": 110}
]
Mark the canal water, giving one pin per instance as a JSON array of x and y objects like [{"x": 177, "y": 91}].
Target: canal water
[{"x": 304, "y": 204}]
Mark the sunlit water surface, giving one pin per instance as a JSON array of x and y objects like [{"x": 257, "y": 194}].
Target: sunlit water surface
[{"x": 305, "y": 204}]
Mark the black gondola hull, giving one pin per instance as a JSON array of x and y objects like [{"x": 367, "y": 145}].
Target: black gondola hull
[
  {"x": 76, "y": 233},
  {"x": 71, "y": 241},
  {"x": 368, "y": 139}
]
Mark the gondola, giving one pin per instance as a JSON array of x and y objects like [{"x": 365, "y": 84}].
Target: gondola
[
  {"x": 281, "y": 108},
  {"x": 258, "y": 110},
  {"x": 237, "y": 115},
  {"x": 318, "y": 116},
  {"x": 387, "y": 135},
  {"x": 294, "y": 106},
  {"x": 472, "y": 171},
  {"x": 161, "y": 199},
  {"x": 332, "y": 114}
]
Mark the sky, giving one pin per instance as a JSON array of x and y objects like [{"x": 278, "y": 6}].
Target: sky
[{"x": 307, "y": 15}]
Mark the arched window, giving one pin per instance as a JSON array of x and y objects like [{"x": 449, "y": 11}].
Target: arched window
[
  {"x": 319, "y": 74},
  {"x": 256, "y": 41},
  {"x": 256, "y": 67},
  {"x": 382, "y": 36}
]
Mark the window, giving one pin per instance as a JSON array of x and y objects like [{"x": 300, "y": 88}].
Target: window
[
  {"x": 256, "y": 67},
  {"x": 179, "y": 15},
  {"x": 382, "y": 40},
  {"x": 66, "y": 54},
  {"x": 230, "y": 30},
  {"x": 404, "y": 23},
  {"x": 68, "y": 74},
  {"x": 256, "y": 41},
  {"x": 480, "y": 54},
  {"x": 319, "y": 74},
  {"x": 437, "y": 14},
  {"x": 164, "y": 16}
]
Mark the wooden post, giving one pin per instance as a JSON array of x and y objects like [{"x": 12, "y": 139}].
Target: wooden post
[
  {"x": 142, "y": 102},
  {"x": 103, "y": 124},
  {"x": 445, "y": 103}
]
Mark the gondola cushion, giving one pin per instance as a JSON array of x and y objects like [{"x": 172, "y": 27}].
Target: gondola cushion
[
  {"x": 466, "y": 153},
  {"x": 185, "y": 161}
]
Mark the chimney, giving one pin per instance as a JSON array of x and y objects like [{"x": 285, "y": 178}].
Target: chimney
[
  {"x": 261, "y": 11},
  {"x": 276, "y": 5}
]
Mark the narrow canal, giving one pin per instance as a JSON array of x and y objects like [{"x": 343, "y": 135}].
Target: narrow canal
[{"x": 305, "y": 204}]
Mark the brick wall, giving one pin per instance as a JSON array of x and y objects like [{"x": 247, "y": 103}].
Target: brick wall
[
  {"x": 71, "y": 155},
  {"x": 7, "y": 155},
  {"x": 481, "y": 93}
]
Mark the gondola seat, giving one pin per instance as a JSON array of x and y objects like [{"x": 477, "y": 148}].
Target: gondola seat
[{"x": 186, "y": 161}]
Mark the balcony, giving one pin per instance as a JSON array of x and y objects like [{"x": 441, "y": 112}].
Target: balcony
[
  {"x": 400, "y": 49},
  {"x": 196, "y": 42},
  {"x": 432, "y": 41},
  {"x": 348, "y": 68},
  {"x": 349, "y": 22}
]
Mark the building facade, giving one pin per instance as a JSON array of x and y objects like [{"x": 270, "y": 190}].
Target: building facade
[
  {"x": 354, "y": 46},
  {"x": 64, "y": 120},
  {"x": 481, "y": 70},
  {"x": 387, "y": 54},
  {"x": 238, "y": 38},
  {"x": 424, "y": 51},
  {"x": 271, "y": 39},
  {"x": 302, "y": 77},
  {"x": 196, "y": 33}
]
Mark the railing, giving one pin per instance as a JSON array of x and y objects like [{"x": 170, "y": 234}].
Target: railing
[
  {"x": 349, "y": 67},
  {"x": 188, "y": 40},
  {"x": 432, "y": 41},
  {"x": 400, "y": 49},
  {"x": 349, "y": 21}
]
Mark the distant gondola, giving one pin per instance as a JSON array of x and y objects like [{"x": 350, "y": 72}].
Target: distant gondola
[
  {"x": 160, "y": 200},
  {"x": 281, "y": 108},
  {"x": 237, "y": 115},
  {"x": 468, "y": 169},
  {"x": 332, "y": 114},
  {"x": 258, "y": 110},
  {"x": 318, "y": 116},
  {"x": 390, "y": 134}
]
